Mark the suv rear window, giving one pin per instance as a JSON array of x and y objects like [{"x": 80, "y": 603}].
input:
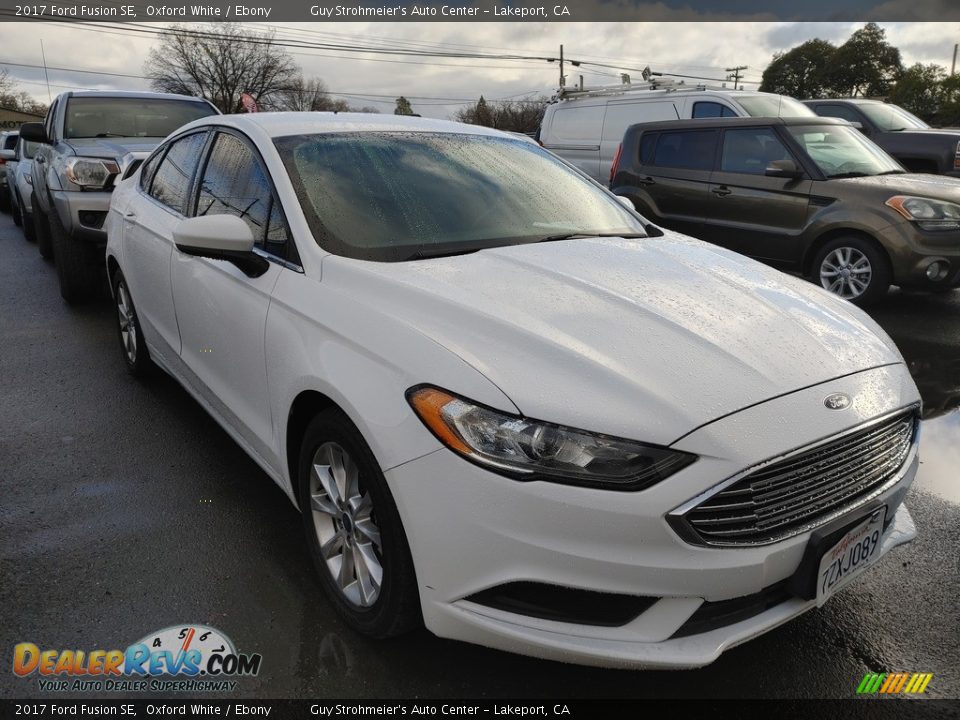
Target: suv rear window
[
  {"x": 690, "y": 150},
  {"x": 89, "y": 117}
]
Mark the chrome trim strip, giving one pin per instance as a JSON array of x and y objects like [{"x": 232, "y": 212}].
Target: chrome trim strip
[
  {"x": 278, "y": 260},
  {"x": 675, "y": 518}
]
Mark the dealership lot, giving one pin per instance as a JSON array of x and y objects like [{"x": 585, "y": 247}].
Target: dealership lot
[{"x": 126, "y": 509}]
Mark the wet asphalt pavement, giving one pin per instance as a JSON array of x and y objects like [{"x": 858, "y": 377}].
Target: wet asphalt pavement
[{"x": 124, "y": 508}]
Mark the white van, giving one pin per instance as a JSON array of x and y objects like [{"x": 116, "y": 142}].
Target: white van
[{"x": 586, "y": 127}]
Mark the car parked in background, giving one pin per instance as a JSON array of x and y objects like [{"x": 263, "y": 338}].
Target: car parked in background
[
  {"x": 586, "y": 127},
  {"x": 8, "y": 158},
  {"x": 21, "y": 188},
  {"x": 919, "y": 147},
  {"x": 87, "y": 141},
  {"x": 553, "y": 428},
  {"x": 810, "y": 195}
]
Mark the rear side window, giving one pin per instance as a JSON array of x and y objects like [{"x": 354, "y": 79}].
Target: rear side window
[
  {"x": 620, "y": 116},
  {"x": 838, "y": 111},
  {"x": 689, "y": 150},
  {"x": 647, "y": 144},
  {"x": 171, "y": 183},
  {"x": 751, "y": 150},
  {"x": 711, "y": 110},
  {"x": 577, "y": 124},
  {"x": 146, "y": 174}
]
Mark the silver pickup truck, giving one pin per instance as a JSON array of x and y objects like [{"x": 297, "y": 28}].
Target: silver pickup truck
[{"x": 88, "y": 142}]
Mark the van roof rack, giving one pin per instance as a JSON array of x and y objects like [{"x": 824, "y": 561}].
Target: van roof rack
[{"x": 652, "y": 81}]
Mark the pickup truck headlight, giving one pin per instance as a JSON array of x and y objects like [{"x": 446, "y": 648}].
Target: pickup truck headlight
[
  {"x": 929, "y": 214},
  {"x": 90, "y": 172},
  {"x": 532, "y": 450}
]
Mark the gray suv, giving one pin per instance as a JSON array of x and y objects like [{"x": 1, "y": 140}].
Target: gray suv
[
  {"x": 809, "y": 195},
  {"x": 88, "y": 142}
]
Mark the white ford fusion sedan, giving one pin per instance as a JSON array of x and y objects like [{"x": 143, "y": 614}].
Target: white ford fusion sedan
[{"x": 505, "y": 405}]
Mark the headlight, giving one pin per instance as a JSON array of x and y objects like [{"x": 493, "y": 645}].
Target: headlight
[
  {"x": 532, "y": 450},
  {"x": 90, "y": 172},
  {"x": 927, "y": 213}
]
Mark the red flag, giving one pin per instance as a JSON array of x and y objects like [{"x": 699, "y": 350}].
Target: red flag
[{"x": 249, "y": 104}]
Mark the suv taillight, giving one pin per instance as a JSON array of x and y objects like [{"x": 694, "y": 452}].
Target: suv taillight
[{"x": 616, "y": 163}]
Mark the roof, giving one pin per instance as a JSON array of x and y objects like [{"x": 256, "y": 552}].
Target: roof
[
  {"x": 280, "y": 124},
  {"x": 141, "y": 95},
  {"x": 738, "y": 122}
]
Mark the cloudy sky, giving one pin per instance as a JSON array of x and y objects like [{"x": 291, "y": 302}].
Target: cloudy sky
[{"x": 437, "y": 85}]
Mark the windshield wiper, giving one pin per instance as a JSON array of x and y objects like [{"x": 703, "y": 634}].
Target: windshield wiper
[
  {"x": 893, "y": 172},
  {"x": 852, "y": 174},
  {"x": 574, "y": 235}
]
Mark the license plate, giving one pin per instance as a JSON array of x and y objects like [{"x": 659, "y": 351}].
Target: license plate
[{"x": 850, "y": 556}]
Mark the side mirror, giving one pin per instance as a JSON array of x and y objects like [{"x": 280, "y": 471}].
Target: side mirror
[
  {"x": 783, "y": 169},
  {"x": 34, "y": 132},
  {"x": 220, "y": 237}
]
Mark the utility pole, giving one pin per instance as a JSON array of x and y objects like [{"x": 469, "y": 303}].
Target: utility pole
[
  {"x": 735, "y": 71},
  {"x": 953, "y": 67},
  {"x": 562, "y": 83}
]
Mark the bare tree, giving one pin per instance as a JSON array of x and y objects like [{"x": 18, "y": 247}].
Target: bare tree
[
  {"x": 220, "y": 62},
  {"x": 13, "y": 98},
  {"x": 306, "y": 95},
  {"x": 515, "y": 115}
]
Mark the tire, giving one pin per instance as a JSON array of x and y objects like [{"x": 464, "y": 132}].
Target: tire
[
  {"x": 29, "y": 231},
  {"x": 41, "y": 229},
  {"x": 16, "y": 209},
  {"x": 854, "y": 268},
  {"x": 78, "y": 271},
  {"x": 5, "y": 200},
  {"x": 133, "y": 348},
  {"x": 366, "y": 530}
]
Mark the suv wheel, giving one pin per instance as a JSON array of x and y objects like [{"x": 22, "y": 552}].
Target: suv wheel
[
  {"x": 354, "y": 531},
  {"x": 5, "y": 199},
  {"x": 853, "y": 268},
  {"x": 41, "y": 229},
  {"x": 77, "y": 267}
]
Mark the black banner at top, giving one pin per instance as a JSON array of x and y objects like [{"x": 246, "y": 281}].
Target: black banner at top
[{"x": 519, "y": 11}]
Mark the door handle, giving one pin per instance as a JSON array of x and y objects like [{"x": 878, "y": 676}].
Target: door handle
[
  {"x": 721, "y": 191},
  {"x": 129, "y": 214},
  {"x": 646, "y": 181}
]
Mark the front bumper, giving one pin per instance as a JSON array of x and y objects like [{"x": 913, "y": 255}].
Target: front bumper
[
  {"x": 83, "y": 214},
  {"x": 471, "y": 530},
  {"x": 913, "y": 250}
]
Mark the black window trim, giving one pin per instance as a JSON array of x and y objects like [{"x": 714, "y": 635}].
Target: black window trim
[
  {"x": 275, "y": 198},
  {"x": 163, "y": 150}
]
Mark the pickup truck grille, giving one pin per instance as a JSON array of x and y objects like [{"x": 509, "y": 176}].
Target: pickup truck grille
[{"x": 804, "y": 490}]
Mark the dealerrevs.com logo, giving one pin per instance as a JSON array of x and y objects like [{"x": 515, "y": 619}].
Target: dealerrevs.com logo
[{"x": 186, "y": 658}]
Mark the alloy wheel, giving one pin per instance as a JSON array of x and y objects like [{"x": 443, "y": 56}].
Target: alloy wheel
[
  {"x": 846, "y": 272},
  {"x": 344, "y": 520},
  {"x": 128, "y": 323}
]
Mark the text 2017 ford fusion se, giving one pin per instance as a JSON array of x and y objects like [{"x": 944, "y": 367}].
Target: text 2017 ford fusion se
[{"x": 506, "y": 406}]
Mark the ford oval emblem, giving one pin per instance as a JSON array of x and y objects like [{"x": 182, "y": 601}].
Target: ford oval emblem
[{"x": 837, "y": 401}]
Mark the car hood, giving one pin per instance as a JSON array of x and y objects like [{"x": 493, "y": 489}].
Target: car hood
[
  {"x": 938, "y": 187},
  {"x": 113, "y": 147},
  {"x": 646, "y": 339}
]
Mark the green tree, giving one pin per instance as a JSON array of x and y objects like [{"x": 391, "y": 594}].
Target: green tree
[
  {"x": 403, "y": 107},
  {"x": 800, "y": 72},
  {"x": 865, "y": 65},
  {"x": 919, "y": 89},
  {"x": 948, "y": 114}
]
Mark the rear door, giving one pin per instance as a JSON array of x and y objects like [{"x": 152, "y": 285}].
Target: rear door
[
  {"x": 574, "y": 134},
  {"x": 749, "y": 212},
  {"x": 673, "y": 179}
]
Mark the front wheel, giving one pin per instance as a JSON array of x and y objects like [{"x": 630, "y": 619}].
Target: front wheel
[
  {"x": 354, "y": 531},
  {"x": 854, "y": 268},
  {"x": 41, "y": 229},
  {"x": 79, "y": 265},
  {"x": 16, "y": 209}
]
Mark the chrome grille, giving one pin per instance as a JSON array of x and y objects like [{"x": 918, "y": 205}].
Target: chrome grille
[{"x": 806, "y": 489}]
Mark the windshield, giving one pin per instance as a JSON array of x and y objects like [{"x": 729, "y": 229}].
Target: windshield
[
  {"x": 891, "y": 117},
  {"x": 773, "y": 106},
  {"x": 89, "y": 117},
  {"x": 842, "y": 151},
  {"x": 394, "y": 196}
]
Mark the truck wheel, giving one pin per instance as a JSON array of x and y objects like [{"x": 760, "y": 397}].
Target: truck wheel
[
  {"x": 77, "y": 267},
  {"x": 5, "y": 200},
  {"x": 17, "y": 212},
  {"x": 854, "y": 268},
  {"x": 41, "y": 229}
]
